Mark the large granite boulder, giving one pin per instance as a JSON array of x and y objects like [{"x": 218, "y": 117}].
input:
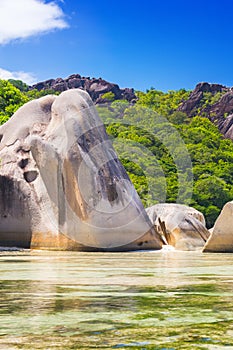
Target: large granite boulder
[
  {"x": 62, "y": 185},
  {"x": 221, "y": 238},
  {"x": 180, "y": 226}
]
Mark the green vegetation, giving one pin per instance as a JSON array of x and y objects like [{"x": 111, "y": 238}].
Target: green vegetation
[
  {"x": 168, "y": 156},
  {"x": 108, "y": 96},
  {"x": 162, "y": 103},
  {"x": 15, "y": 93},
  {"x": 11, "y": 98},
  {"x": 19, "y": 84},
  {"x": 207, "y": 101}
]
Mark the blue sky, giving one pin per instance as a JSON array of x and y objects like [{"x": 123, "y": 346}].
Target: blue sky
[{"x": 165, "y": 44}]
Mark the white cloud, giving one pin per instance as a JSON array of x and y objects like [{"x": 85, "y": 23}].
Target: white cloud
[
  {"x": 27, "y": 78},
  {"x": 21, "y": 19}
]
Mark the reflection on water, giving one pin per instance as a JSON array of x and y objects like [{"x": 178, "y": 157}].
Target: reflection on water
[{"x": 139, "y": 300}]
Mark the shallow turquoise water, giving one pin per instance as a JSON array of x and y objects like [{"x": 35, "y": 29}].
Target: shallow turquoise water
[{"x": 139, "y": 300}]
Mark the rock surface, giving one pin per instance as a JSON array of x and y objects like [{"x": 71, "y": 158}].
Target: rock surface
[
  {"x": 223, "y": 107},
  {"x": 216, "y": 112},
  {"x": 220, "y": 112},
  {"x": 221, "y": 238},
  {"x": 194, "y": 102},
  {"x": 181, "y": 226},
  {"x": 225, "y": 126},
  {"x": 95, "y": 87},
  {"x": 62, "y": 185}
]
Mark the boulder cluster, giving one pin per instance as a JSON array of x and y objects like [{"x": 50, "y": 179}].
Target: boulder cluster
[
  {"x": 96, "y": 88},
  {"x": 184, "y": 228},
  {"x": 62, "y": 186}
]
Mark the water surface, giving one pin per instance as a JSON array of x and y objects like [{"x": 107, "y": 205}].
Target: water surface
[{"x": 138, "y": 300}]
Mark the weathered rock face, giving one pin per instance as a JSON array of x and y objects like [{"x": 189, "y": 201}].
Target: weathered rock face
[
  {"x": 62, "y": 185},
  {"x": 221, "y": 238},
  {"x": 181, "y": 226},
  {"x": 216, "y": 112},
  {"x": 193, "y": 103},
  {"x": 95, "y": 87},
  {"x": 225, "y": 126}
]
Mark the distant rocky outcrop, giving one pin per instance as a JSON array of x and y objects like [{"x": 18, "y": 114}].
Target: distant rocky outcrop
[
  {"x": 181, "y": 226},
  {"x": 99, "y": 89},
  {"x": 96, "y": 88},
  {"x": 61, "y": 183},
  {"x": 195, "y": 100},
  {"x": 223, "y": 107},
  {"x": 219, "y": 112},
  {"x": 221, "y": 238}
]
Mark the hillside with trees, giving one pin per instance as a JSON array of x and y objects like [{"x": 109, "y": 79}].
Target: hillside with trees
[{"x": 171, "y": 147}]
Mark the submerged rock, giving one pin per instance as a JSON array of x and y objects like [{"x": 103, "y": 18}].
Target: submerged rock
[
  {"x": 62, "y": 185},
  {"x": 221, "y": 238},
  {"x": 181, "y": 226}
]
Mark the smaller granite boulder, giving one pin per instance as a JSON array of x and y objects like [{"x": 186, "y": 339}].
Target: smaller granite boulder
[
  {"x": 221, "y": 238},
  {"x": 180, "y": 226}
]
